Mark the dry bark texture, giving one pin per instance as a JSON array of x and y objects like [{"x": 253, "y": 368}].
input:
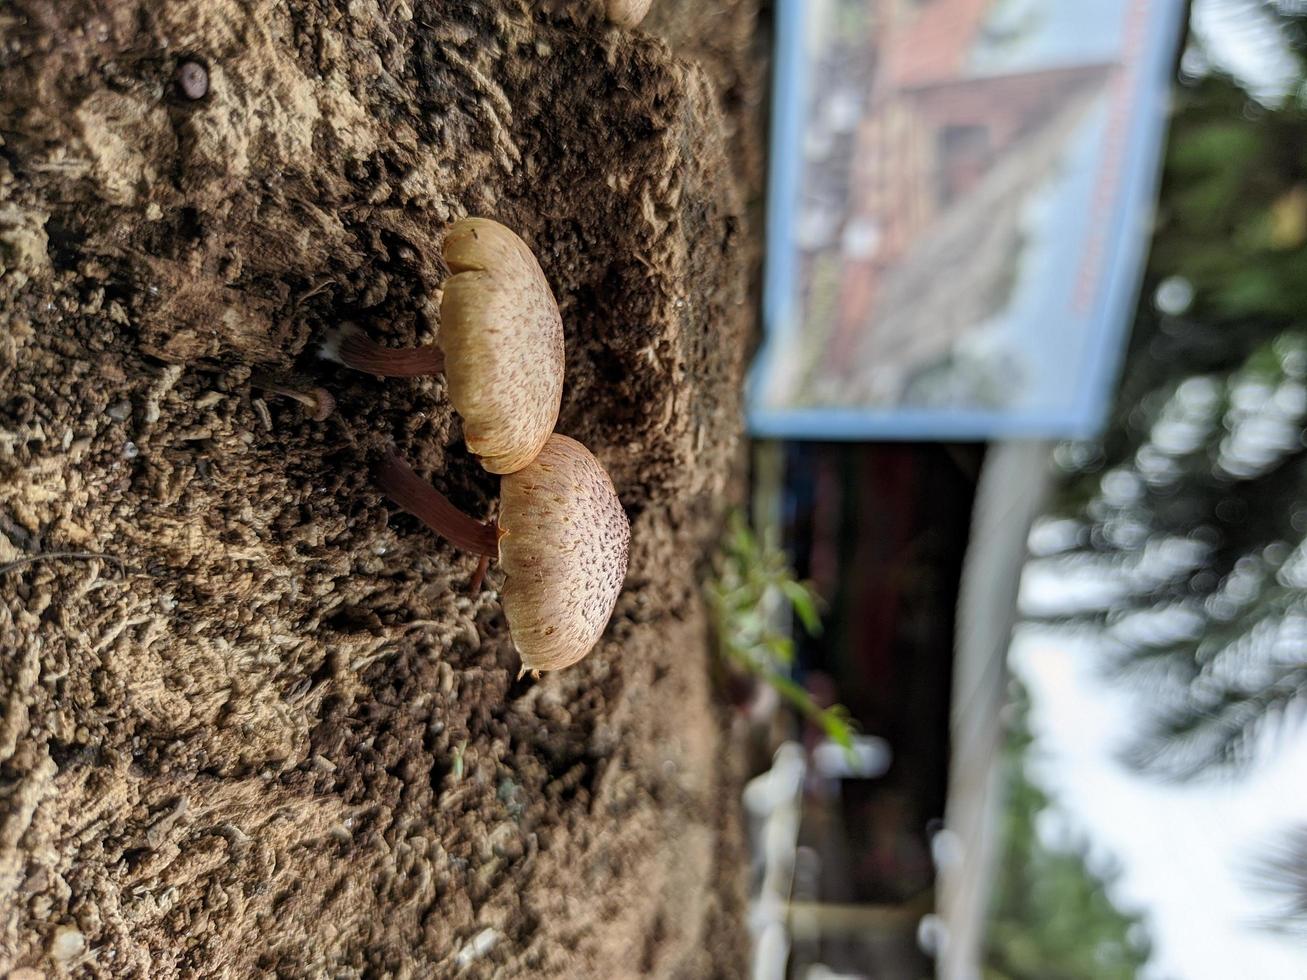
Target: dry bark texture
[{"x": 272, "y": 734}]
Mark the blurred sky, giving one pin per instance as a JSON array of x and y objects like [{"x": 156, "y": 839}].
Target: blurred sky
[
  {"x": 1186, "y": 849},
  {"x": 1241, "y": 39}
]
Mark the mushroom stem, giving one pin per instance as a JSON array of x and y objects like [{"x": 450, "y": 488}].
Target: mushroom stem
[
  {"x": 318, "y": 401},
  {"x": 357, "y": 350},
  {"x": 482, "y": 567},
  {"x": 402, "y": 485}
]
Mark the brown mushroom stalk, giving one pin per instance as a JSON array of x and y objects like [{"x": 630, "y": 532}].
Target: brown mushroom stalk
[
  {"x": 479, "y": 575},
  {"x": 402, "y": 485},
  {"x": 355, "y": 349},
  {"x": 318, "y": 401}
]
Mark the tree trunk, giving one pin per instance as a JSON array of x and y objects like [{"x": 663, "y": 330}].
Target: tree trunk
[{"x": 251, "y": 719}]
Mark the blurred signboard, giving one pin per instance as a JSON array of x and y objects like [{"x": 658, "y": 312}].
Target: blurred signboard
[{"x": 959, "y": 213}]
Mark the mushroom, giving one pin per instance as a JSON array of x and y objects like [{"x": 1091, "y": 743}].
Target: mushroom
[
  {"x": 318, "y": 401},
  {"x": 501, "y": 345},
  {"x": 562, "y": 538},
  {"x": 626, "y": 13}
]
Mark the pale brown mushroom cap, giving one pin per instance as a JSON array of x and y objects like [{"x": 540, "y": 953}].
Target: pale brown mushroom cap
[
  {"x": 626, "y": 13},
  {"x": 564, "y": 545},
  {"x": 503, "y": 343}
]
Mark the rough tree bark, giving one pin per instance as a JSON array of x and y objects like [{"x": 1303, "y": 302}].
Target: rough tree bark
[{"x": 268, "y": 731}]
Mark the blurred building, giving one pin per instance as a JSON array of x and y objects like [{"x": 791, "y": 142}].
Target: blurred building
[{"x": 918, "y": 550}]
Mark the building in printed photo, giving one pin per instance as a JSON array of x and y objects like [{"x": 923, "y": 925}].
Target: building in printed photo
[{"x": 910, "y": 221}]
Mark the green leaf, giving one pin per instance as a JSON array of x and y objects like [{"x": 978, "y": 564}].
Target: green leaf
[
  {"x": 746, "y": 573},
  {"x": 780, "y": 647},
  {"x": 805, "y": 605},
  {"x": 838, "y": 726}
]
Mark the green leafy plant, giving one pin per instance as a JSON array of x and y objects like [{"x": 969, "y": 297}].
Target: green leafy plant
[{"x": 751, "y": 588}]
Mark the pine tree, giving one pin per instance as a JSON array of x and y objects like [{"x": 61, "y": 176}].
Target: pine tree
[{"x": 1194, "y": 503}]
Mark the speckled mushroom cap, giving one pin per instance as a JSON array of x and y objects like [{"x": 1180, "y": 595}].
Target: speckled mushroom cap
[
  {"x": 503, "y": 343},
  {"x": 564, "y": 543}
]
